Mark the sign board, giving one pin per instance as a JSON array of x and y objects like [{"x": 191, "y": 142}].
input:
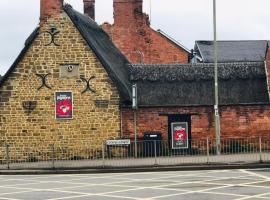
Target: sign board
[
  {"x": 117, "y": 142},
  {"x": 63, "y": 105},
  {"x": 179, "y": 135}
]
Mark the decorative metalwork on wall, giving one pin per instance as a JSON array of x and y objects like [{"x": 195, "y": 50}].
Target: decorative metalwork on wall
[
  {"x": 88, "y": 86},
  {"x": 43, "y": 80},
  {"x": 53, "y": 33},
  {"x": 29, "y": 106}
]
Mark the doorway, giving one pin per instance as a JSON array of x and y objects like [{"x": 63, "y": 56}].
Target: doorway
[{"x": 179, "y": 132}]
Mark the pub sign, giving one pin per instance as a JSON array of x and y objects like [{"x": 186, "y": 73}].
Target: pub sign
[
  {"x": 63, "y": 105},
  {"x": 179, "y": 135}
]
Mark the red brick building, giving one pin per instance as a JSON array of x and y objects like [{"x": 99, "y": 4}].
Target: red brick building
[
  {"x": 168, "y": 94},
  {"x": 132, "y": 34}
]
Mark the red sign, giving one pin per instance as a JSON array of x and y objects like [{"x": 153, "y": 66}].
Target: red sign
[
  {"x": 63, "y": 105},
  {"x": 179, "y": 131}
]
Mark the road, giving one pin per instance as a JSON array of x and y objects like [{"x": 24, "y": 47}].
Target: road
[{"x": 174, "y": 185}]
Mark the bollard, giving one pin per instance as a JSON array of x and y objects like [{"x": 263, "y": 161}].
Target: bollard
[{"x": 7, "y": 156}]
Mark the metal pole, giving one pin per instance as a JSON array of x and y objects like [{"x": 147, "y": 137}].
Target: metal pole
[
  {"x": 135, "y": 107},
  {"x": 103, "y": 154},
  {"x": 155, "y": 151},
  {"x": 135, "y": 133},
  {"x": 217, "y": 119},
  {"x": 7, "y": 156},
  {"x": 53, "y": 156},
  {"x": 260, "y": 143},
  {"x": 207, "y": 148}
]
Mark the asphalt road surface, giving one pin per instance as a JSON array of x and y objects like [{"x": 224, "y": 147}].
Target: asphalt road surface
[{"x": 178, "y": 185}]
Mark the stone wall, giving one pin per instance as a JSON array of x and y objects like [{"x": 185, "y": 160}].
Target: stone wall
[
  {"x": 236, "y": 121},
  {"x": 92, "y": 122},
  {"x": 132, "y": 34}
]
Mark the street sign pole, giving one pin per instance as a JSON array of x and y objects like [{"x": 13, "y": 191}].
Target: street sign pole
[
  {"x": 135, "y": 107},
  {"x": 216, "y": 108}
]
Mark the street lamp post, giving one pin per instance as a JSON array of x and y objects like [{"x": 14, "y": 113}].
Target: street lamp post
[
  {"x": 135, "y": 107},
  {"x": 217, "y": 118}
]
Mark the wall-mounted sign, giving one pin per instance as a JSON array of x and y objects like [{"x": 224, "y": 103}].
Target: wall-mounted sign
[
  {"x": 179, "y": 131},
  {"x": 63, "y": 105},
  {"x": 117, "y": 142}
]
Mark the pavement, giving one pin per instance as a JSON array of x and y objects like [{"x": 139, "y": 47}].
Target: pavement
[{"x": 237, "y": 184}]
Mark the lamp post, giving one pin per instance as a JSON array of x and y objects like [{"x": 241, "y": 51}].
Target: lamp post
[
  {"x": 216, "y": 109},
  {"x": 135, "y": 107}
]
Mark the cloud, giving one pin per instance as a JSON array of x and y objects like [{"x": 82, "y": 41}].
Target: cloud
[{"x": 184, "y": 20}]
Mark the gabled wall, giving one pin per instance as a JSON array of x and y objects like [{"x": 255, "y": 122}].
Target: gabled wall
[
  {"x": 92, "y": 122},
  {"x": 132, "y": 34}
]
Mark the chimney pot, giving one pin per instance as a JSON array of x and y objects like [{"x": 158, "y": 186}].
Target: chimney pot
[{"x": 89, "y": 8}]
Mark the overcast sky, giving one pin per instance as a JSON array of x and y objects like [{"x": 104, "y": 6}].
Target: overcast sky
[{"x": 184, "y": 20}]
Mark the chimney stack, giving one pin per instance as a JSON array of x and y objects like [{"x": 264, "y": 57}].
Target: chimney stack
[
  {"x": 49, "y": 8},
  {"x": 89, "y": 8},
  {"x": 125, "y": 11}
]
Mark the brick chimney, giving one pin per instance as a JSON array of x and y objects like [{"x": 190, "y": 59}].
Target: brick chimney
[
  {"x": 49, "y": 8},
  {"x": 89, "y": 8},
  {"x": 127, "y": 12}
]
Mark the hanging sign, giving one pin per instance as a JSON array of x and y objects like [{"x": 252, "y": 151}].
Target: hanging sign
[
  {"x": 63, "y": 105},
  {"x": 179, "y": 135}
]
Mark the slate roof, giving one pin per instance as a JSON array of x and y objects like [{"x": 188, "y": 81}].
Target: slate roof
[
  {"x": 233, "y": 51},
  {"x": 111, "y": 58},
  {"x": 114, "y": 62},
  {"x": 193, "y": 85}
]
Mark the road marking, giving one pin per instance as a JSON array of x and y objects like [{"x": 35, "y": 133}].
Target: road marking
[
  {"x": 255, "y": 174},
  {"x": 255, "y": 196},
  {"x": 190, "y": 192},
  {"x": 4, "y": 198},
  {"x": 115, "y": 180}
]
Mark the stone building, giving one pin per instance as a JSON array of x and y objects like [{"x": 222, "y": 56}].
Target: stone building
[
  {"x": 71, "y": 87},
  {"x": 66, "y": 86}
]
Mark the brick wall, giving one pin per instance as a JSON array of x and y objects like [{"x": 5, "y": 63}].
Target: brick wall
[
  {"x": 132, "y": 34},
  {"x": 91, "y": 125},
  {"x": 236, "y": 121},
  {"x": 49, "y": 8}
]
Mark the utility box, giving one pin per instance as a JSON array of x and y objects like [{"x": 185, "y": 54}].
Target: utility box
[{"x": 152, "y": 144}]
